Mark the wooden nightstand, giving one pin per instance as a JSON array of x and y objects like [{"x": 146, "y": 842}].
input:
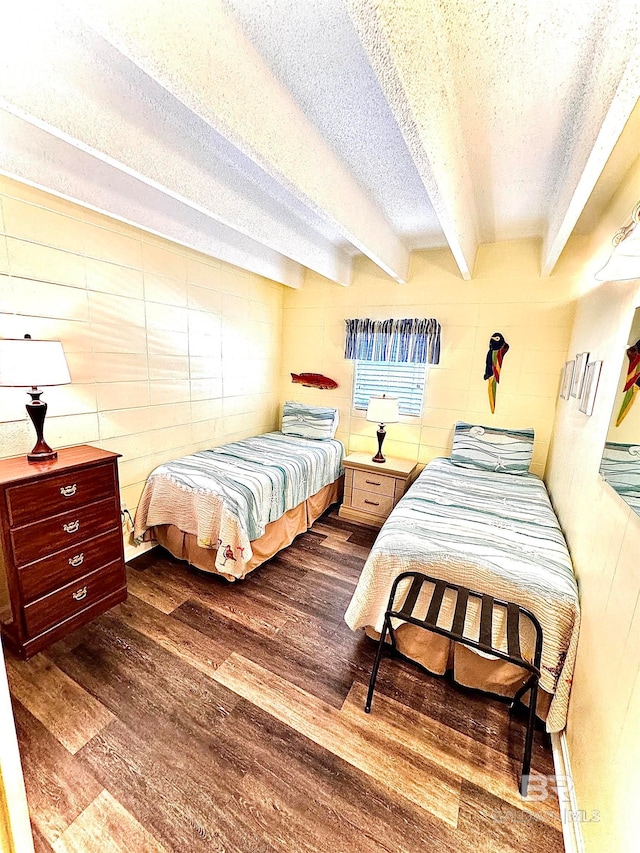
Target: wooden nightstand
[
  {"x": 372, "y": 489},
  {"x": 61, "y": 550}
]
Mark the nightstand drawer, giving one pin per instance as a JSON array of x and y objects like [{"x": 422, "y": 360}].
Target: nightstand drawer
[
  {"x": 52, "y": 572},
  {"x": 53, "y": 495},
  {"x": 371, "y": 502},
  {"x": 34, "y": 541},
  {"x": 378, "y": 483},
  {"x": 72, "y": 598}
]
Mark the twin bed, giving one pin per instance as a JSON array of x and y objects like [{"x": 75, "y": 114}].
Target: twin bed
[
  {"x": 230, "y": 509},
  {"x": 478, "y": 519},
  {"x": 490, "y": 532}
]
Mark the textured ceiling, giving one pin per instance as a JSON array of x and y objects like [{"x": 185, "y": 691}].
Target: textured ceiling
[{"x": 284, "y": 134}]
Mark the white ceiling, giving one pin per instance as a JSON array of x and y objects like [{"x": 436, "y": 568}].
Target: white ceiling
[{"x": 284, "y": 134}]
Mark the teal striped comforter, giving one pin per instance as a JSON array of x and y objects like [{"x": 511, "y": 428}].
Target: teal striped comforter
[
  {"x": 227, "y": 495},
  {"x": 493, "y": 533}
]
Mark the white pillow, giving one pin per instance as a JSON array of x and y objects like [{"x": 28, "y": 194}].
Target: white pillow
[
  {"x": 315, "y": 422},
  {"x": 492, "y": 449}
]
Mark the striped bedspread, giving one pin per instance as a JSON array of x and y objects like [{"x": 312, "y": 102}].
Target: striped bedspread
[
  {"x": 226, "y": 496},
  {"x": 493, "y": 533}
]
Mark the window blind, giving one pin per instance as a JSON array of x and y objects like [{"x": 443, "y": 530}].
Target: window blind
[{"x": 405, "y": 381}]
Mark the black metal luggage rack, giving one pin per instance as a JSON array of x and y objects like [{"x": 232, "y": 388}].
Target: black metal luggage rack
[{"x": 456, "y": 633}]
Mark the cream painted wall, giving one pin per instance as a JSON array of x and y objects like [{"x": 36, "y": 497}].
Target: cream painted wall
[
  {"x": 170, "y": 351},
  {"x": 506, "y": 295},
  {"x": 603, "y": 731}
]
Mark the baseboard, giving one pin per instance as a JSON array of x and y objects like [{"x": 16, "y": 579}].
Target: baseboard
[
  {"x": 133, "y": 551},
  {"x": 569, "y": 811}
]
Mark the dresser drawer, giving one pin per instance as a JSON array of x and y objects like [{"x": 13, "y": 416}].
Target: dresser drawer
[
  {"x": 48, "y": 574},
  {"x": 371, "y": 502},
  {"x": 34, "y": 541},
  {"x": 74, "y": 597},
  {"x": 53, "y": 495},
  {"x": 378, "y": 483}
]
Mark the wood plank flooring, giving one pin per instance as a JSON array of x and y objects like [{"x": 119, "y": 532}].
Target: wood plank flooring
[{"x": 206, "y": 716}]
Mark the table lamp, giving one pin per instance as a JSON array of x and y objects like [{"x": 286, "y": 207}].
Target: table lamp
[
  {"x": 382, "y": 410},
  {"x": 25, "y": 363}
]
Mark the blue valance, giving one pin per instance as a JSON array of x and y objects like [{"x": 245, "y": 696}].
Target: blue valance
[{"x": 415, "y": 340}]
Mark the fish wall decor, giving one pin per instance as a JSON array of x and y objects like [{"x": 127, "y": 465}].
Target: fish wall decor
[
  {"x": 314, "y": 380},
  {"x": 498, "y": 348},
  {"x": 631, "y": 383}
]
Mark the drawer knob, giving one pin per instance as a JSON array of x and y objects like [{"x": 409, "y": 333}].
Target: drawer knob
[
  {"x": 373, "y": 503},
  {"x": 68, "y": 491},
  {"x": 373, "y": 483},
  {"x": 72, "y": 526},
  {"x": 79, "y": 594},
  {"x": 76, "y": 560}
]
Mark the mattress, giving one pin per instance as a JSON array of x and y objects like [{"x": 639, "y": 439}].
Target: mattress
[{"x": 491, "y": 532}]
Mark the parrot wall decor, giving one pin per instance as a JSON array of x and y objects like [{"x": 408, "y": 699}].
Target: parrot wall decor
[
  {"x": 498, "y": 348},
  {"x": 631, "y": 383}
]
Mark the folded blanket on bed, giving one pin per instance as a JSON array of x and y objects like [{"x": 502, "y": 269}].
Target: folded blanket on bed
[
  {"x": 226, "y": 496},
  {"x": 490, "y": 532}
]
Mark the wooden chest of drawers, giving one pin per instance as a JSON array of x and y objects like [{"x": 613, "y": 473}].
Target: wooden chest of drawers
[
  {"x": 371, "y": 489},
  {"x": 61, "y": 549}
]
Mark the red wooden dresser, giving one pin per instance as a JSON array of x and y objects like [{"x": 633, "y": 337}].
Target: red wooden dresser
[{"x": 61, "y": 549}]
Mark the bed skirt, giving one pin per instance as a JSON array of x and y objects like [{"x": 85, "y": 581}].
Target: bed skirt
[
  {"x": 440, "y": 655},
  {"x": 277, "y": 535}
]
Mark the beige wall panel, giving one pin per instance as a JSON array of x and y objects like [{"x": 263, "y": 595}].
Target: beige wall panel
[
  {"x": 204, "y": 299},
  {"x": 163, "y": 342},
  {"x": 163, "y": 262},
  {"x": 140, "y": 319},
  {"x": 33, "y": 261},
  {"x": 39, "y": 225},
  {"x": 204, "y": 367},
  {"x": 112, "y": 278},
  {"x": 70, "y": 430},
  {"x": 118, "y": 395},
  {"x": 109, "y": 309},
  {"x": 168, "y": 291},
  {"x": 166, "y": 317},
  {"x": 603, "y": 730},
  {"x": 120, "y": 367},
  {"x": 170, "y": 415},
  {"x": 169, "y": 392},
  {"x": 208, "y": 388},
  {"x": 44, "y": 299},
  {"x": 205, "y": 273},
  {"x": 205, "y": 410},
  {"x": 118, "y": 337},
  {"x": 6, "y": 285},
  {"x": 168, "y": 367},
  {"x": 76, "y": 334},
  {"x": 4, "y": 260},
  {"x": 108, "y": 245}
]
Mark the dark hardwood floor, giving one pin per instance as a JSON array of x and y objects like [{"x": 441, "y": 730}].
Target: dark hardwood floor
[{"x": 206, "y": 716}]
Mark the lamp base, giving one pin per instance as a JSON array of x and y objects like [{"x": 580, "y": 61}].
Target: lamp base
[
  {"x": 381, "y": 434},
  {"x": 37, "y": 411},
  {"x": 43, "y": 456}
]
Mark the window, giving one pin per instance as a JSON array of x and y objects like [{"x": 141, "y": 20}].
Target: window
[{"x": 406, "y": 381}]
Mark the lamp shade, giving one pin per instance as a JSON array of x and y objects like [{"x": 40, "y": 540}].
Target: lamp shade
[
  {"x": 383, "y": 410},
  {"x": 25, "y": 363}
]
